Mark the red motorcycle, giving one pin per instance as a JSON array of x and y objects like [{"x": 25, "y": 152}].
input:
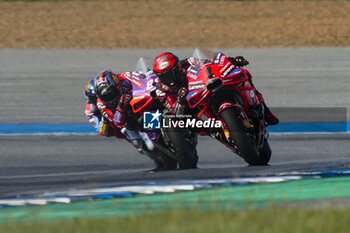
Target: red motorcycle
[
  {"x": 172, "y": 145},
  {"x": 220, "y": 90}
]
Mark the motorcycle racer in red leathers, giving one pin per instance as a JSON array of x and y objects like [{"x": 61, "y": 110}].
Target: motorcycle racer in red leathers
[{"x": 173, "y": 82}]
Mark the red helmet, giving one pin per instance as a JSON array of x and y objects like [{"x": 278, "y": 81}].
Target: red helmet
[{"x": 166, "y": 67}]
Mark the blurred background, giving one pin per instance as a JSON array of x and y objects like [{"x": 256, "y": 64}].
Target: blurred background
[{"x": 50, "y": 49}]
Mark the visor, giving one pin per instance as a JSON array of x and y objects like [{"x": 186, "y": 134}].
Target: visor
[
  {"x": 170, "y": 77},
  {"x": 110, "y": 96}
]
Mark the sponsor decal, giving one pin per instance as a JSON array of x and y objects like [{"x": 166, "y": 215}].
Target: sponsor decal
[
  {"x": 132, "y": 78},
  {"x": 127, "y": 75},
  {"x": 196, "y": 87},
  {"x": 227, "y": 71},
  {"x": 236, "y": 71},
  {"x": 225, "y": 67},
  {"x": 139, "y": 97},
  {"x": 137, "y": 92},
  {"x": 194, "y": 71},
  {"x": 137, "y": 83},
  {"x": 136, "y": 75},
  {"x": 222, "y": 59},
  {"x": 217, "y": 58},
  {"x": 192, "y": 76},
  {"x": 190, "y": 95}
]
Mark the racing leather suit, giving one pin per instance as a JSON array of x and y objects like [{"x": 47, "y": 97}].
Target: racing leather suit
[{"x": 114, "y": 115}]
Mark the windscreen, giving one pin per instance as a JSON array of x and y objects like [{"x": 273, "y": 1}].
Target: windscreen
[
  {"x": 142, "y": 65},
  {"x": 201, "y": 56}
]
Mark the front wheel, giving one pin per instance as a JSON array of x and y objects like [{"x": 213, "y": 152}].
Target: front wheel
[
  {"x": 265, "y": 153},
  {"x": 245, "y": 144},
  {"x": 184, "y": 147}
]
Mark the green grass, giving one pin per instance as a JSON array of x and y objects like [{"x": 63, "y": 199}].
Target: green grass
[{"x": 269, "y": 220}]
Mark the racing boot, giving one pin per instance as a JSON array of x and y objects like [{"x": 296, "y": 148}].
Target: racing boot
[
  {"x": 162, "y": 161},
  {"x": 147, "y": 142},
  {"x": 144, "y": 145},
  {"x": 270, "y": 118},
  {"x": 133, "y": 137}
]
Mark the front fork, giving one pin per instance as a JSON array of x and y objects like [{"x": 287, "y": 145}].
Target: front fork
[
  {"x": 241, "y": 114},
  {"x": 255, "y": 126},
  {"x": 258, "y": 116},
  {"x": 222, "y": 135}
]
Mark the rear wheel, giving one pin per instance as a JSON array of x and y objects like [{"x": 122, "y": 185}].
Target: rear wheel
[
  {"x": 166, "y": 162},
  {"x": 242, "y": 140},
  {"x": 184, "y": 147},
  {"x": 162, "y": 161}
]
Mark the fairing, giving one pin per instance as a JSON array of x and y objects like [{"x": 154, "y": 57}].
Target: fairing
[
  {"x": 208, "y": 67},
  {"x": 143, "y": 81}
]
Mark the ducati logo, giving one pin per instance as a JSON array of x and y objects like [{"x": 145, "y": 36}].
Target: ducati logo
[{"x": 164, "y": 65}]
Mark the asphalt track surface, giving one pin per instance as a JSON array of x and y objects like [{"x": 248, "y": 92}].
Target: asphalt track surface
[{"x": 46, "y": 86}]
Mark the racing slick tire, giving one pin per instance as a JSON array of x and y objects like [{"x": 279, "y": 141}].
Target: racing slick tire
[
  {"x": 184, "y": 148},
  {"x": 265, "y": 153},
  {"x": 242, "y": 140}
]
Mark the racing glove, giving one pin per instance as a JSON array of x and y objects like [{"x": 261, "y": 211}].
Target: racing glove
[
  {"x": 238, "y": 61},
  {"x": 119, "y": 118},
  {"x": 185, "y": 63},
  {"x": 179, "y": 108},
  {"x": 95, "y": 122},
  {"x": 181, "y": 100},
  {"x": 181, "y": 95}
]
